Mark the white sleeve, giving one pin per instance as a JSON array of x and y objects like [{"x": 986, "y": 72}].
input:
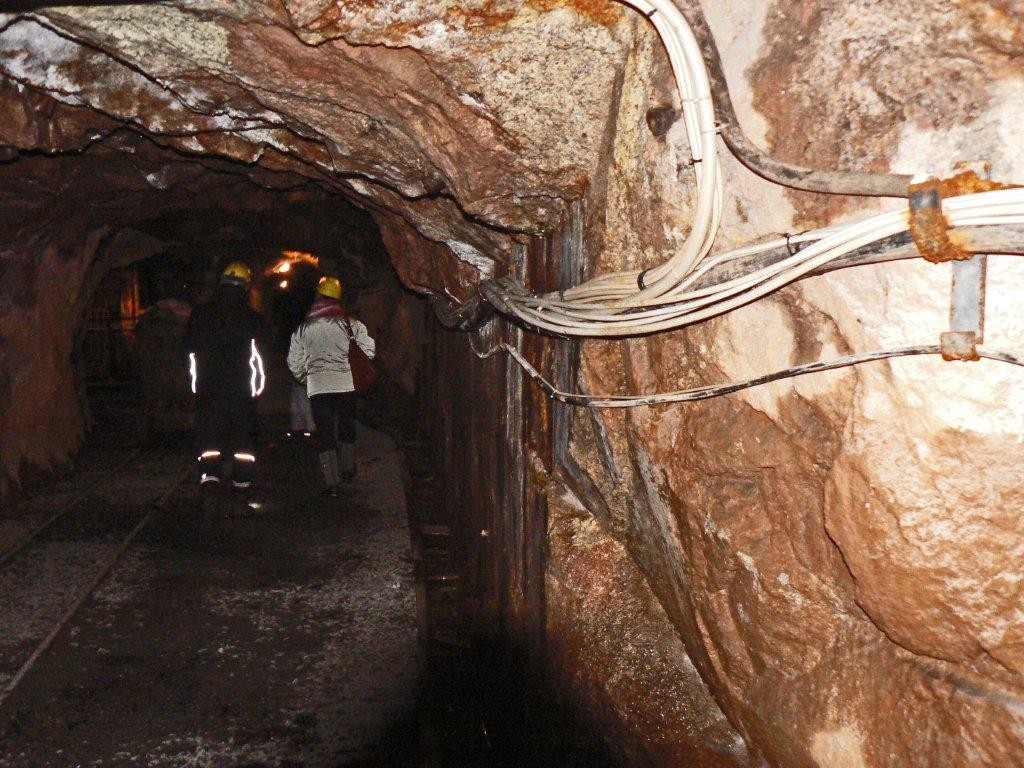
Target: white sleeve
[
  {"x": 363, "y": 339},
  {"x": 297, "y": 357}
]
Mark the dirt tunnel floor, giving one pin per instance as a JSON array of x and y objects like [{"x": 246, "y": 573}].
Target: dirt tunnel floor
[{"x": 286, "y": 638}]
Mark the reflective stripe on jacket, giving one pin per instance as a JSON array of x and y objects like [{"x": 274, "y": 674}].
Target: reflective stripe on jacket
[{"x": 225, "y": 340}]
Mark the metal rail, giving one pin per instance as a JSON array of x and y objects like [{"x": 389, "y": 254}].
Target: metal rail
[
  {"x": 109, "y": 564},
  {"x": 29, "y": 537}
]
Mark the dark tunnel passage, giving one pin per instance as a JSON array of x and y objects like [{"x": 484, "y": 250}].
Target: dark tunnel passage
[
  {"x": 696, "y": 440},
  {"x": 278, "y": 629},
  {"x": 128, "y": 335}
]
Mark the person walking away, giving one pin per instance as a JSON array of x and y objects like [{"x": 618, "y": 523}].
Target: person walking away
[
  {"x": 318, "y": 356},
  {"x": 225, "y": 341}
]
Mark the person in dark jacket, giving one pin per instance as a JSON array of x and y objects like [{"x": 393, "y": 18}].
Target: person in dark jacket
[{"x": 225, "y": 339}]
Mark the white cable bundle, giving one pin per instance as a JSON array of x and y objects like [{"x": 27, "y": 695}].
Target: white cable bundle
[{"x": 616, "y": 305}]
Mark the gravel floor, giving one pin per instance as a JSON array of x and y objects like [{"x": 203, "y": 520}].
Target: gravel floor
[{"x": 284, "y": 638}]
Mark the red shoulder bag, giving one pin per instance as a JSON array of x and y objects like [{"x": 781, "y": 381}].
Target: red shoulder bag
[{"x": 364, "y": 374}]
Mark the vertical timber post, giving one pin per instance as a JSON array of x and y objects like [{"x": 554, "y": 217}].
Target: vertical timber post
[
  {"x": 555, "y": 260},
  {"x": 571, "y": 269},
  {"x": 512, "y": 516}
]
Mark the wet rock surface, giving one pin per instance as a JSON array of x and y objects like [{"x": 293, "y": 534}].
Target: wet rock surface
[{"x": 617, "y": 658}]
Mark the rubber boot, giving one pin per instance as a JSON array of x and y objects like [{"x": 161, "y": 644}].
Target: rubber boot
[
  {"x": 329, "y": 468},
  {"x": 347, "y": 457}
]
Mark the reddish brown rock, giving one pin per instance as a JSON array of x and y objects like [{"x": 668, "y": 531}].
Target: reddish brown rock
[
  {"x": 621, "y": 663},
  {"x": 836, "y": 556}
]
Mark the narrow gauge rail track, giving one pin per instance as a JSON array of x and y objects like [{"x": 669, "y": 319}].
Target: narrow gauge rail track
[
  {"x": 118, "y": 545},
  {"x": 64, "y": 509}
]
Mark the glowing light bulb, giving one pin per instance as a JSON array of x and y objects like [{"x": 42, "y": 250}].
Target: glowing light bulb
[
  {"x": 285, "y": 267},
  {"x": 283, "y": 284}
]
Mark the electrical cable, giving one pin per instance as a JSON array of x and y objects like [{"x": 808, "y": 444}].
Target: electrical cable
[
  {"x": 685, "y": 306},
  {"x": 670, "y": 295},
  {"x": 786, "y": 174},
  {"x": 693, "y": 286},
  {"x": 717, "y": 390}
]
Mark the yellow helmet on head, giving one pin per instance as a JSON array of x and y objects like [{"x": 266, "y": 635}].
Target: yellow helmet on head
[
  {"x": 236, "y": 273},
  {"x": 329, "y": 286}
]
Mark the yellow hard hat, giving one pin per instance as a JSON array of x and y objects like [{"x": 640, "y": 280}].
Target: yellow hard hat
[
  {"x": 329, "y": 286},
  {"x": 237, "y": 272}
]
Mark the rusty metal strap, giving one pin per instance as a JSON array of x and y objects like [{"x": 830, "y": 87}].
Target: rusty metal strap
[
  {"x": 931, "y": 232},
  {"x": 929, "y": 226}
]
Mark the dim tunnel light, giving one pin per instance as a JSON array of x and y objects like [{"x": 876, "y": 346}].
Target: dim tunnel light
[{"x": 290, "y": 258}]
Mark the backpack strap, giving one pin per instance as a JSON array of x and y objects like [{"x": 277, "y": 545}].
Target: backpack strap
[{"x": 346, "y": 324}]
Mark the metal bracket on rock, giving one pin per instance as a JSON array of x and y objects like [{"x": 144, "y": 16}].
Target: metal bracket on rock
[
  {"x": 928, "y": 225},
  {"x": 930, "y": 230},
  {"x": 966, "y": 310}
]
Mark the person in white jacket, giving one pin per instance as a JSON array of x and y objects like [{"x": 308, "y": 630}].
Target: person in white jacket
[{"x": 318, "y": 357}]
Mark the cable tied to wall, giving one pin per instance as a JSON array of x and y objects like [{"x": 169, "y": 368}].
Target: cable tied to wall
[
  {"x": 670, "y": 295},
  {"x": 717, "y": 390},
  {"x": 694, "y": 285}
]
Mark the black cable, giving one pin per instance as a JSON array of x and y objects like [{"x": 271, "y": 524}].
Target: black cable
[
  {"x": 717, "y": 390},
  {"x": 787, "y": 174}
]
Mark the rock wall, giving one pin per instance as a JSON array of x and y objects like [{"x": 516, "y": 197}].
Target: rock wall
[
  {"x": 57, "y": 241},
  {"x": 842, "y": 545},
  {"x": 616, "y": 658},
  {"x": 759, "y": 576}
]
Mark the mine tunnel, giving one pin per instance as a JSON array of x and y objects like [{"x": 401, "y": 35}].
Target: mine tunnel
[{"x": 695, "y": 435}]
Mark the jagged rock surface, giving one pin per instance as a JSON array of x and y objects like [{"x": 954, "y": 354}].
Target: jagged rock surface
[{"x": 827, "y": 550}]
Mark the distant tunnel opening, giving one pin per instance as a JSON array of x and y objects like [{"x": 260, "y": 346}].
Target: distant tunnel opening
[
  {"x": 137, "y": 239},
  {"x": 128, "y": 356}
]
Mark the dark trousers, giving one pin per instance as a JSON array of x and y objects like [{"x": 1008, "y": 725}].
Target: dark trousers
[
  {"x": 334, "y": 414},
  {"x": 226, "y": 428}
]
